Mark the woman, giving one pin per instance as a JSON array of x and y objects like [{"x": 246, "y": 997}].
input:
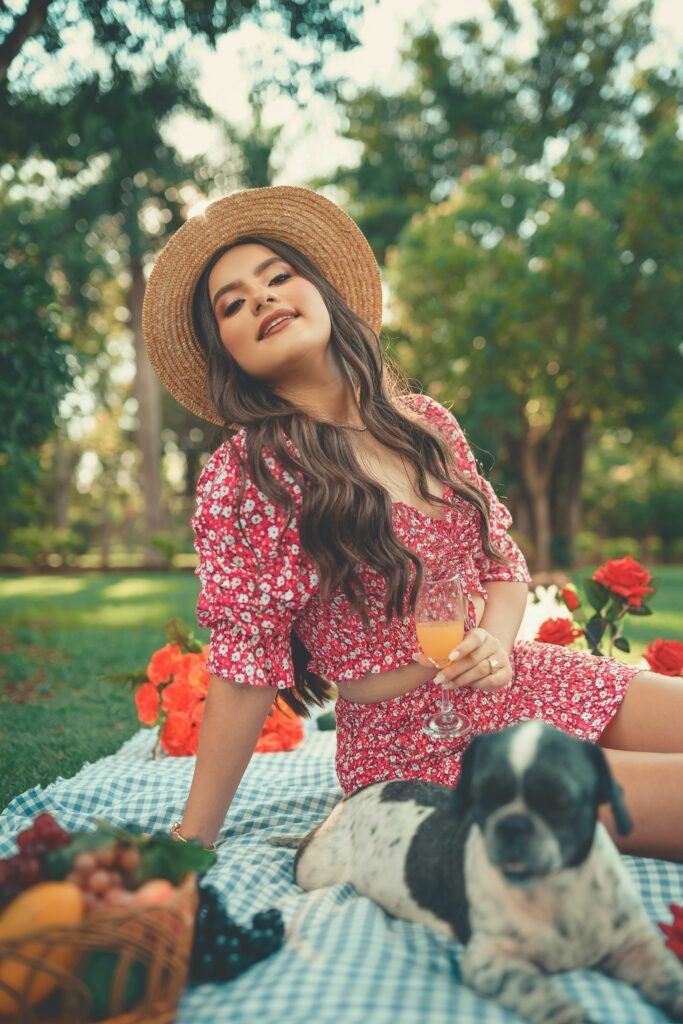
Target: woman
[{"x": 335, "y": 489}]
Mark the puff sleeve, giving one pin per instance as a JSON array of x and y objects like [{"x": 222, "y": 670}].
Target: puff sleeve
[
  {"x": 248, "y": 602},
  {"x": 500, "y": 520}
]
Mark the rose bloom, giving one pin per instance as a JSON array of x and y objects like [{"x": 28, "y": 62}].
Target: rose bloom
[
  {"x": 282, "y": 730},
  {"x": 674, "y": 932},
  {"x": 665, "y": 656},
  {"x": 147, "y": 703},
  {"x": 177, "y": 735},
  {"x": 626, "y": 577},
  {"x": 163, "y": 664},
  {"x": 179, "y": 697},
  {"x": 183, "y": 667},
  {"x": 198, "y": 676},
  {"x": 558, "y": 631},
  {"x": 571, "y": 598}
]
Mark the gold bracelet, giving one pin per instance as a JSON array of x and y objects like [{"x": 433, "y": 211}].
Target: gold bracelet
[{"x": 175, "y": 833}]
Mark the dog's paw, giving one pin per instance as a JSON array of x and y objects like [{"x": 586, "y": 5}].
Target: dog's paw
[{"x": 673, "y": 1008}]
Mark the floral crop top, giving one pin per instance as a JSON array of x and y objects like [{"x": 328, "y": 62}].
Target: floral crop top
[{"x": 251, "y": 615}]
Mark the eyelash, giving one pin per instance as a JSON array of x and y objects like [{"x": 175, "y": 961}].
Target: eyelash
[{"x": 283, "y": 273}]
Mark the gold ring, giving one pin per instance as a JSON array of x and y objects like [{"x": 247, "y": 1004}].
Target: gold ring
[{"x": 494, "y": 664}]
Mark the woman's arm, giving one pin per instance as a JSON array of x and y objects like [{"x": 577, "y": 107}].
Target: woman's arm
[
  {"x": 505, "y": 607},
  {"x": 233, "y": 718}
]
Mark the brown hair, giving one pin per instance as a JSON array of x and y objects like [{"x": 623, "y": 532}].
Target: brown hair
[{"x": 345, "y": 516}]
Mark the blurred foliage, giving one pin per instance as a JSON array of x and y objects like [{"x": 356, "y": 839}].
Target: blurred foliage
[
  {"x": 471, "y": 99},
  {"x": 529, "y": 213},
  {"x": 140, "y": 34},
  {"x": 34, "y": 371}
]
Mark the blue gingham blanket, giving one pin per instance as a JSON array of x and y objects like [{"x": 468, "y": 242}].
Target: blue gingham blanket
[{"x": 344, "y": 959}]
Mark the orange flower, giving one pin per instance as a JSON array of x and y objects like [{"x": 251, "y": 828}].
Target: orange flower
[
  {"x": 163, "y": 664},
  {"x": 558, "y": 631},
  {"x": 282, "y": 730},
  {"x": 198, "y": 676},
  {"x": 147, "y": 703},
  {"x": 183, "y": 668},
  {"x": 179, "y": 697},
  {"x": 197, "y": 712},
  {"x": 176, "y": 735},
  {"x": 626, "y": 577}
]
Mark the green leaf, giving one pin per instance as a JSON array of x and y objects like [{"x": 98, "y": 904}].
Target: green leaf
[
  {"x": 595, "y": 628},
  {"x": 327, "y": 722},
  {"x": 643, "y": 610},
  {"x": 597, "y": 594},
  {"x": 622, "y": 644},
  {"x": 131, "y": 679}
]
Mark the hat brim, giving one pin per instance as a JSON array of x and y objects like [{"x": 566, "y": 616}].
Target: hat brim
[{"x": 308, "y": 221}]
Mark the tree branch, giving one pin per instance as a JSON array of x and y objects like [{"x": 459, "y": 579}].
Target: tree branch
[{"x": 26, "y": 25}]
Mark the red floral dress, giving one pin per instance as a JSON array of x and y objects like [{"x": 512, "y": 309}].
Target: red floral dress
[{"x": 251, "y": 615}]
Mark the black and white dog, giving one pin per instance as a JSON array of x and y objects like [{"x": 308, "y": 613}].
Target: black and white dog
[{"x": 512, "y": 862}]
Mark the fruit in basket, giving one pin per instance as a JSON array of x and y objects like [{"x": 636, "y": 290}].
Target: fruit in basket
[
  {"x": 148, "y": 857},
  {"x": 26, "y": 867},
  {"x": 221, "y": 948},
  {"x": 97, "y": 972},
  {"x": 42, "y": 906}
]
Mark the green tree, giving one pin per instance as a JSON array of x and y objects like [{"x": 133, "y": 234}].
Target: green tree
[
  {"x": 133, "y": 29},
  {"x": 472, "y": 98},
  {"x": 549, "y": 307}
]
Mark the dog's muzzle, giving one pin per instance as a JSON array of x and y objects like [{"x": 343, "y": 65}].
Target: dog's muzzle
[{"x": 519, "y": 848}]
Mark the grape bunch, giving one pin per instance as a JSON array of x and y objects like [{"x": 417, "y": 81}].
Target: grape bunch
[
  {"x": 222, "y": 949},
  {"x": 105, "y": 875},
  {"x": 25, "y": 868}
]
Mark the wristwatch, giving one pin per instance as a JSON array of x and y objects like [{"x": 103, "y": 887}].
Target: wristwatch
[{"x": 175, "y": 833}]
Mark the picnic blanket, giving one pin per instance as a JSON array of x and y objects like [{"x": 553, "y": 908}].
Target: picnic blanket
[{"x": 344, "y": 959}]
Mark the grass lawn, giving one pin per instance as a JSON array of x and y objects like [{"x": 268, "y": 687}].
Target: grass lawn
[{"x": 60, "y": 632}]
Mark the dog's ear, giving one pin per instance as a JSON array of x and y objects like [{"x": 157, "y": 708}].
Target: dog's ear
[
  {"x": 462, "y": 794},
  {"x": 609, "y": 790}
]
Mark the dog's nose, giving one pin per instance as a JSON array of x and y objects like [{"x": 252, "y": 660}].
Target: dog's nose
[{"x": 514, "y": 828}]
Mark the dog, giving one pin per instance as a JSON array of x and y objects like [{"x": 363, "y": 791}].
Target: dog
[{"x": 512, "y": 862}]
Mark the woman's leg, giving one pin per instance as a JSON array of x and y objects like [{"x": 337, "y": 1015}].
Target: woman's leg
[
  {"x": 643, "y": 744},
  {"x": 650, "y": 717},
  {"x": 653, "y": 792}
]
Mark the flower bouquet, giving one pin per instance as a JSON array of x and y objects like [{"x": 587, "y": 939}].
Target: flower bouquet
[{"x": 170, "y": 695}]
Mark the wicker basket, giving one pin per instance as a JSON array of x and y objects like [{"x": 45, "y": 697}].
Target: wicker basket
[{"x": 142, "y": 959}]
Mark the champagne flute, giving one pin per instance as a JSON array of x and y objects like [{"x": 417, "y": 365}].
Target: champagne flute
[{"x": 440, "y": 625}]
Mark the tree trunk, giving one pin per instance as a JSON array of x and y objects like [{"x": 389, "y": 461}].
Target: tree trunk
[
  {"x": 148, "y": 436},
  {"x": 539, "y": 449},
  {"x": 566, "y": 498},
  {"x": 65, "y": 462},
  {"x": 26, "y": 25}
]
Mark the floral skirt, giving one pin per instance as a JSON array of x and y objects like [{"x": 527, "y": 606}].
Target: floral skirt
[{"x": 573, "y": 690}]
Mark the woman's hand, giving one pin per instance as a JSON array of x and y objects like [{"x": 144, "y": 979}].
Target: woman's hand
[{"x": 480, "y": 661}]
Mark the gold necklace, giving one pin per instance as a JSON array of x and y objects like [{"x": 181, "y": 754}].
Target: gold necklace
[{"x": 349, "y": 426}]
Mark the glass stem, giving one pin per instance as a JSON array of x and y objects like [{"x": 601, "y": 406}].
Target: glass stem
[{"x": 447, "y": 701}]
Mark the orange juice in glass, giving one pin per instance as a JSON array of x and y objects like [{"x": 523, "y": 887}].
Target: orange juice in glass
[
  {"x": 440, "y": 626},
  {"x": 437, "y": 639}
]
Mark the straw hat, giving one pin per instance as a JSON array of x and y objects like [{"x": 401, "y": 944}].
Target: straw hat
[{"x": 304, "y": 219}]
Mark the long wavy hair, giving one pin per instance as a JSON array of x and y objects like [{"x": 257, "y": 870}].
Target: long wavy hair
[{"x": 345, "y": 516}]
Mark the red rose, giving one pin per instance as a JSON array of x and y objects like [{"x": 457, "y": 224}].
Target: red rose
[
  {"x": 570, "y": 596},
  {"x": 626, "y": 577},
  {"x": 674, "y": 932},
  {"x": 665, "y": 656},
  {"x": 558, "y": 631}
]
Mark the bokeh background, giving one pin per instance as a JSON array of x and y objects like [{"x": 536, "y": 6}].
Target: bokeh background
[{"x": 517, "y": 166}]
